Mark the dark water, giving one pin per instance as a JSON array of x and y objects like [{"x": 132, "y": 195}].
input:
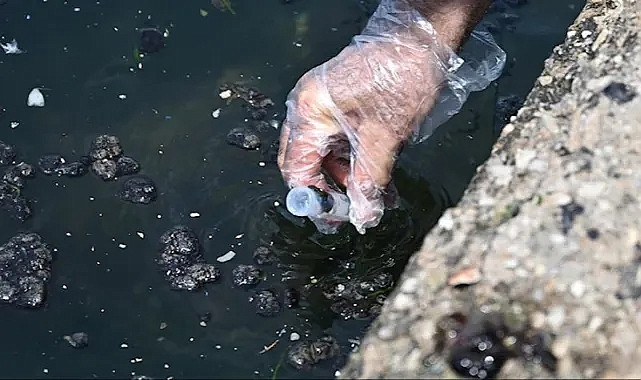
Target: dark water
[{"x": 116, "y": 295}]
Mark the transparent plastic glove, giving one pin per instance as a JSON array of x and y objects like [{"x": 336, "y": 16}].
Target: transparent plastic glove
[{"x": 348, "y": 118}]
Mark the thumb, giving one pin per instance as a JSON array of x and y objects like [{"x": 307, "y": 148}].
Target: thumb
[{"x": 374, "y": 152}]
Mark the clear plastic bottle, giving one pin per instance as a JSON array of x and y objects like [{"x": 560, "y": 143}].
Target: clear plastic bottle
[{"x": 315, "y": 203}]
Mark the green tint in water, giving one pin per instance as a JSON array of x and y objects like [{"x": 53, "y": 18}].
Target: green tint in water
[{"x": 116, "y": 295}]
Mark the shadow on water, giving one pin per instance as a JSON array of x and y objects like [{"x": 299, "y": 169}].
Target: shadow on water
[{"x": 136, "y": 325}]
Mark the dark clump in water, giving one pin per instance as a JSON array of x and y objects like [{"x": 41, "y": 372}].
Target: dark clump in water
[
  {"x": 267, "y": 304},
  {"x": 151, "y": 40},
  {"x": 264, "y": 256},
  {"x": 126, "y": 166},
  {"x": 105, "y": 150},
  {"x": 77, "y": 340},
  {"x": 51, "y": 164},
  {"x": 245, "y": 275},
  {"x": 139, "y": 189},
  {"x": 12, "y": 200},
  {"x": 16, "y": 174},
  {"x": 181, "y": 260},
  {"x": 360, "y": 298},
  {"x": 304, "y": 355},
  {"x": 105, "y": 147},
  {"x": 243, "y": 137},
  {"x": 7, "y": 154},
  {"x": 292, "y": 298},
  {"x": 25, "y": 269}
]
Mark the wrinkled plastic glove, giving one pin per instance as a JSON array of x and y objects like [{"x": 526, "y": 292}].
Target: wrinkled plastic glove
[{"x": 349, "y": 117}]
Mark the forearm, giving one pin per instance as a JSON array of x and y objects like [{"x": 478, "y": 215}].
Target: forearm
[{"x": 453, "y": 20}]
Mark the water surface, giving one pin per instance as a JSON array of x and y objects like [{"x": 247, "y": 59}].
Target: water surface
[{"x": 83, "y": 54}]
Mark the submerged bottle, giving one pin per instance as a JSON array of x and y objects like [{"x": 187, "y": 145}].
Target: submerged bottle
[{"x": 315, "y": 203}]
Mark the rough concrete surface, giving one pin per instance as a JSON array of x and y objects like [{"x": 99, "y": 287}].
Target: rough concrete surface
[{"x": 541, "y": 259}]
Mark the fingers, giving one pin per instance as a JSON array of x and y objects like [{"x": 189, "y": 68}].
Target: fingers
[
  {"x": 373, "y": 158},
  {"x": 305, "y": 137},
  {"x": 300, "y": 156}
]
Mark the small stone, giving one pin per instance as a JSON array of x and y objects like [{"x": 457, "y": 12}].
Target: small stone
[
  {"x": 545, "y": 80},
  {"x": 577, "y": 289},
  {"x": 555, "y": 317},
  {"x": 225, "y": 94},
  {"x": 294, "y": 336},
  {"x": 77, "y": 340},
  {"x": 467, "y": 276}
]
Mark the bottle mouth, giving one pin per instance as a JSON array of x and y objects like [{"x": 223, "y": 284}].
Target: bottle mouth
[{"x": 303, "y": 201}]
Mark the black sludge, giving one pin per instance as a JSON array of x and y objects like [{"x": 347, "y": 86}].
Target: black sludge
[
  {"x": 139, "y": 189},
  {"x": 25, "y": 269},
  {"x": 181, "y": 260}
]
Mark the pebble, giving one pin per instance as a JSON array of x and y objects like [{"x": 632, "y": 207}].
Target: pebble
[
  {"x": 545, "y": 80},
  {"x": 577, "y": 288},
  {"x": 556, "y": 317},
  {"x": 467, "y": 276},
  {"x": 294, "y": 336}
]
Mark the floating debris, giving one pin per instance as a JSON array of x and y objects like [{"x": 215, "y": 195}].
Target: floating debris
[
  {"x": 269, "y": 347},
  {"x": 216, "y": 113},
  {"x": 11, "y": 47},
  {"x": 35, "y": 98},
  {"x": 226, "y": 257},
  {"x": 77, "y": 340}
]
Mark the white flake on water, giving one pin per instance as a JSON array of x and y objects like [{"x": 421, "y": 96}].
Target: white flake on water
[
  {"x": 276, "y": 203},
  {"x": 11, "y": 47},
  {"x": 216, "y": 113},
  {"x": 140, "y": 234},
  {"x": 35, "y": 98},
  {"x": 194, "y": 215},
  {"x": 239, "y": 236},
  {"x": 261, "y": 164},
  {"x": 122, "y": 246},
  {"x": 226, "y": 257},
  {"x": 122, "y": 96},
  {"x": 14, "y": 124},
  {"x": 124, "y": 345},
  {"x": 294, "y": 336}
]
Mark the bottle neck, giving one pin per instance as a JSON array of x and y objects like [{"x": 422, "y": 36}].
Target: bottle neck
[{"x": 326, "y": 199}]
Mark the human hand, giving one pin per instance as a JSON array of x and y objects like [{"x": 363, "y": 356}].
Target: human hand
[{"x": 348, "y": 118}]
